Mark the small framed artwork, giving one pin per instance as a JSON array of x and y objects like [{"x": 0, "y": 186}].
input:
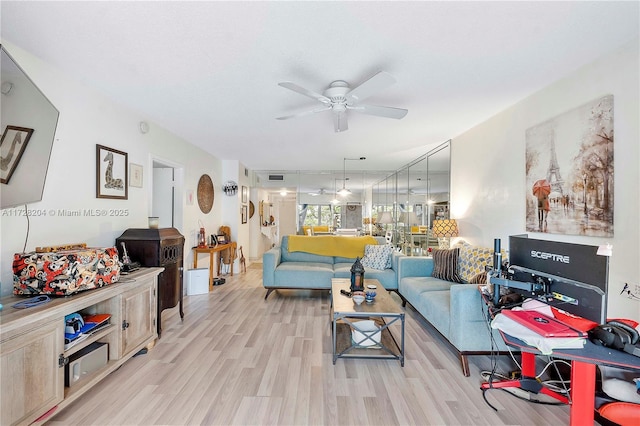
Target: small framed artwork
[
  {"x": 222, "y": 239},
  {"x": 245, "y": 195},
  {"x": 111, "y": 173},
  {"x": 14, "y": 141},
  {"x": 244, "y": 214},
  {"x": 135, "y": 175}
]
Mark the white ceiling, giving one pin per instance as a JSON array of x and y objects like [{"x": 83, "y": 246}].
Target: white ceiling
[{"x": 209, "y": 71}]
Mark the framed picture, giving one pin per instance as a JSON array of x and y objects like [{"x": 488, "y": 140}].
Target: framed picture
[
  {"x": 111, "y": 173},
  {"x": 14, "y": 141},
  {"x": 135, "y": 175},
  {"x": 245, "y": 195},
  {"x": 244, "y": 214},
  {"x": 222, "y": 239},
  {"x": 570, "y": 172}
]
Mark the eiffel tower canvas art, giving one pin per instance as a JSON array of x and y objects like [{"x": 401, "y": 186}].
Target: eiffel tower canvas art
[{"x": 570, "y": 173}]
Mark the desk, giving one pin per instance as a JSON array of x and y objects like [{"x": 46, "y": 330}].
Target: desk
[
  {"x": 212, "y": 250},
  {"x": 583, "y": 372}
]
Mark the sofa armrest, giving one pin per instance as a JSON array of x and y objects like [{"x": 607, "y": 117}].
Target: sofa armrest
[
  {"x": 270, "y": 260},
  {"x": 394, "y": 259},
  {"x": 414, "y": 266},
  {"x": 468, "y": 328}
]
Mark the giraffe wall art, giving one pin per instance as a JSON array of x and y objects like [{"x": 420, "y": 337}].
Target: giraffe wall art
[
  {"x": 569, "y": 172},
  {"x": 12, "y": 146},
  {"x": 111, "y": 173}
]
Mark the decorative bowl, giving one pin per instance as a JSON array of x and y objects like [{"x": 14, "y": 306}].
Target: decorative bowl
[{"x": 358, "y": 297}]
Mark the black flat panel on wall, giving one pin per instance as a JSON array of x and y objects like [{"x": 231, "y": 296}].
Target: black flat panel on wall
[
  {"x": 579, "y": 275},
  {"x": 576, "y": 262}
]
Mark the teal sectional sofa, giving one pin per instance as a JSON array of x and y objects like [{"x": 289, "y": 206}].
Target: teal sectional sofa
[
  {"x": 282, "y": 269},
  {"x": 455, "y": 310}
]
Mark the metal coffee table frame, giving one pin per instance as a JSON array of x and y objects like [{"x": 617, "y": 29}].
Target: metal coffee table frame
[{"x": 384, "y": 308}]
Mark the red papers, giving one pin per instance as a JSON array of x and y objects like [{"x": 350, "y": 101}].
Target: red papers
[
  {"x": 97, "y": 319},
  {"x": 574, "y": 321}
]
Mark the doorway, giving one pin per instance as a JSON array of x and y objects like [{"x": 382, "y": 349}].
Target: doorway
[{"x": 167, "y": 194}]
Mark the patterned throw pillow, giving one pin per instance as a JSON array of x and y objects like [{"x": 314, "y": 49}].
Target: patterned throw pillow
[
  {"x": 377, "y": 256},
  {"x": 445, "y": 265},
  {"x": 473, "y": 260}
]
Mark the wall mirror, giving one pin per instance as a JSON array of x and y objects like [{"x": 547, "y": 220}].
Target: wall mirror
[
  {"x": 25, "y": 111},
  {"x": 409, "y": 200}
]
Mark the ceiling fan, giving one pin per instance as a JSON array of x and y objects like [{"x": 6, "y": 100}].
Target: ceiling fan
[
  {"x": 339, "y": 98},
  {"x": 316, "y": 193}
]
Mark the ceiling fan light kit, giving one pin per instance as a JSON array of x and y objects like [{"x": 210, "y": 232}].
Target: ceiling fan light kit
[{"x": 339, "y": 98}]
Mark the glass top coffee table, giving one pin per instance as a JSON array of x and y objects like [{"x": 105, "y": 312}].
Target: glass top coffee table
[{"x": 345, "y": 314}]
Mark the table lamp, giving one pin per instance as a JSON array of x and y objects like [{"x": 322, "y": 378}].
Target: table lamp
[
  {"x": 385, "y": 218},
  {"x": 445, "y": 229}
]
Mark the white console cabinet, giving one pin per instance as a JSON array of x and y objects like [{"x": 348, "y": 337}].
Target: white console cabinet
[{"x": 32, "y": 354}]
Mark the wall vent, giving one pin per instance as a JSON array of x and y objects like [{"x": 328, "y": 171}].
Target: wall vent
[{"x": 276, "y": 177}]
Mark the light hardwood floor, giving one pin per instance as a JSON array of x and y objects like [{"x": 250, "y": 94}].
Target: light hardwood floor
[{"x": 239, "y": 359}]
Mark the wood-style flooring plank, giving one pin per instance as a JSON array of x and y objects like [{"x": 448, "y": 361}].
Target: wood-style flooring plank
[{"x": 238, "y": 359}]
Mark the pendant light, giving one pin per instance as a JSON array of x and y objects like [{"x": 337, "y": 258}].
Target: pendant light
[{"x": 344, "y": 191}]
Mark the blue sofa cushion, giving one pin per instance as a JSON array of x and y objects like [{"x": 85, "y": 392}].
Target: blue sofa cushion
[
  {"x": 412, "y": 287},
  {"x": 299, "y": 256},
  {"x": 304, "y": 275}
]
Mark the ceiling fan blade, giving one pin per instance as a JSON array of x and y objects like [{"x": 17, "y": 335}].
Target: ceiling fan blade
[
  {"x": 378, "y": 82},
  {"x": 380, "y": 111},
  {"x": 317, "y": 96},
  {"x": 340, "y": 121},
  {"x": 302, "y": 114}
]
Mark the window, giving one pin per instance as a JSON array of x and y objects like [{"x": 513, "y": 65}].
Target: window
[{"x": 322, "y": 214}]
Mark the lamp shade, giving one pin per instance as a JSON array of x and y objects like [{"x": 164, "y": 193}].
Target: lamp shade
[
  {"x": 385, "y": 218},
  {"x": 410, "y": 218},
  {"x": 445, "y": 228}
]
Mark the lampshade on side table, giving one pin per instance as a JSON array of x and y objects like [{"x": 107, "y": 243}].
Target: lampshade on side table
[{"x": 445, "y": 229}]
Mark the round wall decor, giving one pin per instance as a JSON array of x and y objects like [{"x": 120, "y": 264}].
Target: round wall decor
[
  {"x": 205, "y": 193},
  {"x": 252, "y": 209}
]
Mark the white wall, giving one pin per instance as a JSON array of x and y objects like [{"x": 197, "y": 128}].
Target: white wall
[
  {"x": 488, "y": 174},
  {"x": 87, "y": 118}
]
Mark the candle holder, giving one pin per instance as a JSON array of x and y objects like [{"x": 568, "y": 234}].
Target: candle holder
[{"x": 357, "y": 276}]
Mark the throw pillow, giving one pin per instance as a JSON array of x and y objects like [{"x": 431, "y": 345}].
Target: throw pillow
[
  {"x": 473, "y": 260},
  {"x": 445, "y": 265},
  {"x": 377, "y": 256}
]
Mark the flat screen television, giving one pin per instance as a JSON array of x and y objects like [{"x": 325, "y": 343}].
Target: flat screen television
[
  {"x": 28, "y": 122},
  {"x": 575, "y": 275}
]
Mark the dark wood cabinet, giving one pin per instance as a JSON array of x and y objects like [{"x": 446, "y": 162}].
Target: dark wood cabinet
[{"x": 158, "y": 247}]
